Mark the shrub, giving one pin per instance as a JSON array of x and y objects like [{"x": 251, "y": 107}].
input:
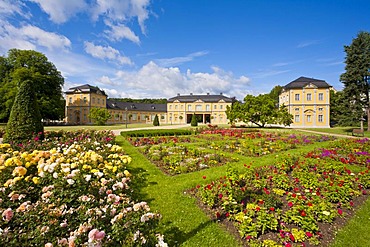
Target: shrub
[
  {"x": 25, "y": 118},
  {"x": 99, "y": 115},
  {"x": 156, "y": 121},
  {"x": 194, "y": 121},
  {"x": 147, "y": 133}
]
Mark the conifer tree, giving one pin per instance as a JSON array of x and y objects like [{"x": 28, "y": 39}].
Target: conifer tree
[
  {"x": 25, "y": 117},
  {"x": 194, "y": 121},
  {"x": 156, "y": 121}
]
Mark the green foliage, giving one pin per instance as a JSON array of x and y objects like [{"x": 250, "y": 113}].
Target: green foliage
[
  {"x": 22, "y": 65},
  {"x": 274, "y": 94},
  {"x": 194, "y": 121},
  {"x": 342, "y": 112},
  {"x": 356, "y": 78},
  {"x": 260, "y": 110},
  {"x": 25, "y": 118},
  {"x": 158, "y": 132},
  {"x": 99, "y": 115},
  {"x": 156, "y": 121}
]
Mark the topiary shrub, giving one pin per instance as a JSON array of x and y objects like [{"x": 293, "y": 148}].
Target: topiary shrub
[
  {"x": 194, "y": 121},
  {"x": 156, "y": 121},
  {"x": 25, "y": 117}
]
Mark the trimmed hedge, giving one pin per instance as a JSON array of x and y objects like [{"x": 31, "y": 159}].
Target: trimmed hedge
[{"x": 161, "y": 132}]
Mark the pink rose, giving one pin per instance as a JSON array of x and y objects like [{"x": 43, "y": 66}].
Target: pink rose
[
  {"x": 95, "y": 234},
  {"x": 8, "y": 214}
]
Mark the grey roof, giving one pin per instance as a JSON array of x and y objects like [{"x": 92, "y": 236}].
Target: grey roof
[
  {"x": 205, "y": 98},
  {"x": 85, "y": 89},
  {"x": 118, "y": 105},
  {"x": 304, "y": 81}
]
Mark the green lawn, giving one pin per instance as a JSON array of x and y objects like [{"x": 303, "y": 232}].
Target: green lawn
[
  {"x": 185, "y": 224},
  {"x": 340, "y": 130}
]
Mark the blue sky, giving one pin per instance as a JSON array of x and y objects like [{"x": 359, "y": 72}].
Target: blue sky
[{"x": 156, "y": 49}]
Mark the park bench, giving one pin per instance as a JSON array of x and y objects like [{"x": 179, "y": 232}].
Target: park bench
[{"x": 357, "y": 132}]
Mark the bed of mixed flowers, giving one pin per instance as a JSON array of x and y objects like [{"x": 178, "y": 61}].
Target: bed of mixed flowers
[
  {"x": 73, "y": 189},
  {"x": 292, "y": 200},
  {"x": 215, "y": 147}
]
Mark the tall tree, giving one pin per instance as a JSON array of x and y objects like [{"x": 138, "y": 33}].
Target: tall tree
[
  {"x": 25, "y": 118},
  {"x": 22, "y": 65},
  {"x": 356, "y": 78},
  {"x": 274, "y": 94}
]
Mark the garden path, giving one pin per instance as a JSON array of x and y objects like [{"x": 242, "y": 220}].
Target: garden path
[
  {"x": 118, "y": 132},
  {"x": 329, "y": 134}
]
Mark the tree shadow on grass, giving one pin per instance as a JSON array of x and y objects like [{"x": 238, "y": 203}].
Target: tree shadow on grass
[
  {"x": 139, "y": 182},
  {"x": 176, "y": 237}
]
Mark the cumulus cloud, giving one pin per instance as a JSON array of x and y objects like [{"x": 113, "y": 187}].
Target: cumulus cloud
[
  {"x": 165, "y": 62},
  {"x": 122, "y": 10},
  {"x": 61, "y": 11},
  {"x": 119, "y": 32},
  {"x": 30, "y": 37},
  {"x": 107, "y": 52},
  {"x": 153, "y": 80}
]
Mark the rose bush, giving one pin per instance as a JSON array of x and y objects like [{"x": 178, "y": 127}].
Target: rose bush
[{"x": 72, "y": 191}]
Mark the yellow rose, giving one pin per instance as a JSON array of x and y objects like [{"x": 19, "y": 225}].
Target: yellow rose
[
  {"x": 36, "y": 180},
  {"x": 127, "y": 173},
  {"x": 19, "y": 171}
]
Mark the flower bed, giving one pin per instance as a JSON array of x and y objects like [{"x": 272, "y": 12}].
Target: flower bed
[
  {"x": 176, "y": 159},
  {"x": 73, "y": 191},
  {"x": 145, "y": 141},
  {"x": 294, "y": 200}
]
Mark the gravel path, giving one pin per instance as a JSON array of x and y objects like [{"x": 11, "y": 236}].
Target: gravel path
[{"x": 329, "y": 134}]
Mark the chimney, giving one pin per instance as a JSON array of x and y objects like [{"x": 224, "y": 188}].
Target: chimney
[
  {"x": 178, "y": 94},
  {"x": 191, "y": 93},
  {"x": 220, "y": 93},
  {"x": 207, "y": 93}
]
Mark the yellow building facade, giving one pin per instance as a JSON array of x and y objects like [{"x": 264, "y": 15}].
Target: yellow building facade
[
  {"x": 79, "y": 101},
  {"x": 209, "y": 109},
  {"x": 308, "y": 100}
]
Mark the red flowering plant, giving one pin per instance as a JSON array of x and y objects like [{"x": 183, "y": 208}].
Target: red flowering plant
[{"x": 292, "y": 197}]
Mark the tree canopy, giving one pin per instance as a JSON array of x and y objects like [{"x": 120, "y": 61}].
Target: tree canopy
[
  {"x": 47, "y": 81},
  {"x": 99, "y": 115},
  {"x": 356, "y": 78},
  {"x": 259, "y": 110}
]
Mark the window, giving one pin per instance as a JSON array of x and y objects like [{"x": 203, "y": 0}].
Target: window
[
  {"x": 134, "y": 116},
  {"x": 321, "y": 96},
  {"x": 198, "y": 107},
  {"x": 309, "y": 118},
  {"x": 170, "y": 107},
  {"x": 85, "y": 100},
  {"x": 175, "y": 107},
  {"x": 296, "y": 96},
  {"x": 220, "y": 107},
  {"x": 321, "y": 118},
  {"x": 309, "y": 97},
  {"x": 321, "y": 109},
  {"x": 93, "y": 100},
  {"x": 296, "y": 118},
  {"x": 189, "y": 107},
  {"x": 207, "y": 107},
  {"x": 70, "y": 99},
  {"x": 296, "y": 109},
  {"x": 182, "y": 107},
  {"x": 215, "y": 107},
  {"x": 98, "y": 101}
]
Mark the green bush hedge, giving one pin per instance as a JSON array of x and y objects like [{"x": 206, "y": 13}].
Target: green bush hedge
[{"x": 162, "y": 132}]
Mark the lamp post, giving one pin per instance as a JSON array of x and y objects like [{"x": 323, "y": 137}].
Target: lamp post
[
  {"x": 362, "y": 123},
  {"x": 126, "y": 116}
]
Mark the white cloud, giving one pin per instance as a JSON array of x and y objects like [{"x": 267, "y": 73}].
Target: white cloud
[
  {"x": 165, "y": 62},
  {"x": 122, "y": 10},
  {"x": 61, "y": 10},
  {"x": 119, "y": 32},
  {"x": 11, "y": 7},
  {"x": 107, "y": 52},
  {"x": 30, "y": 37},
  {"x": 308, "y": 43},
  {"x": 153, "y": 80}
]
